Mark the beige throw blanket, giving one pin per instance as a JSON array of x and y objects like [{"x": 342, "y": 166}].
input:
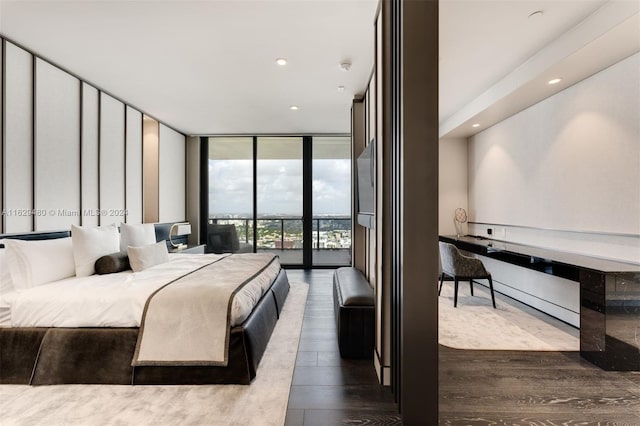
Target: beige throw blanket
[{"x": 187, "y": 322}]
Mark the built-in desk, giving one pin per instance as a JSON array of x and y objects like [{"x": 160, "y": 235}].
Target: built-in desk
[{"x": 609, "y": 296}]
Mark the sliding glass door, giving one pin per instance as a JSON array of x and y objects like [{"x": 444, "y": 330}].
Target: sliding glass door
[
  {"x": 331, "y": 201},
  {"x": 230, "y": 221},
  {"x": 279, "y": 198},
  {"x": 286, "y": 195}
]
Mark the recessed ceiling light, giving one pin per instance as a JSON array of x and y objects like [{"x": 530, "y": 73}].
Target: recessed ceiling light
[
  {"x": 554, "y": 81},
  {"x": 340, "y": 89},
  {"x": 281, "y": 61},
  {"x": 536, "y": 14},
  {"x": 293, "y": 107},
  {"x": 475, "y": 125}
]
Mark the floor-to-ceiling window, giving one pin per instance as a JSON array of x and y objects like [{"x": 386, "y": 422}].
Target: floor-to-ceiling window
[
  {"x": 279, "y": 198},
  {"x": 231, "y": 184},
  {"x": 331, "y": 170},
  {"x": 258, "y": 183}
]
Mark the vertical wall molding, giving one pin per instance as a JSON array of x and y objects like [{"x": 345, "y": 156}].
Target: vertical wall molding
[
  {"x": 98, "y": 212},
  {"x": 124, "y": 160},
  {"x": 34, "y": 146},
  {"x": 80, "y": 139},
  {"x": 2, "y": 119}
]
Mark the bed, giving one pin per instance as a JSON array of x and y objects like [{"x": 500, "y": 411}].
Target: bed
[{"x": 105, "y": 344}]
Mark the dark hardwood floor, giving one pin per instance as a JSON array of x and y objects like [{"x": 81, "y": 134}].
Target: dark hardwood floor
[
  {"x": 533, "y": 388},
  {"x": 326, "y": 389},
  {"x": 476, "y": 387}
]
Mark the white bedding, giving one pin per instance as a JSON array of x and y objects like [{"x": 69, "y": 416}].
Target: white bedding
[{"x": 114, "y": 300}]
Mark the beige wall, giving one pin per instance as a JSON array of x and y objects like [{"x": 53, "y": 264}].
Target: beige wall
[
  {"x": 150, "y": 171},
  {"x": 452, "y": 183}
]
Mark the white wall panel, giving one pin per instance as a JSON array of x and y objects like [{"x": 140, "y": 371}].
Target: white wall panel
[
  {"x": 18, "y": 125},
  {"x": 134, "y": 166},
  {"x": 89, "y": 167},
  {"x": 172, "y": 175},
  {"x": 565, "y": 173},
  {"x": 57, "y": 148},
  {"x": 112, "y": 160},
  {"x": 87, "y": 161},
  {"x": 570, "y": 162}
]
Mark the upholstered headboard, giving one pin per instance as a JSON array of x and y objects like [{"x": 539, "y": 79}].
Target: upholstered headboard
[
  {"x": 162, "y": 233},
  {"x": 36, "y": 236}
]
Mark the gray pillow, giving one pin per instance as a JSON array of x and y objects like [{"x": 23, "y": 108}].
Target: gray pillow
[
  {"x": 111, "y": 263},
  {"x": 145, "y": 257}
]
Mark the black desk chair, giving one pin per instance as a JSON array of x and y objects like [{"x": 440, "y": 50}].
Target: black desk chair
[{"x": 462, "y": 268}]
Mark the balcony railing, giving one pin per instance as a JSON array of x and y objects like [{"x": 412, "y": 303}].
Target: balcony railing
[{"x": 331, "y": 236}]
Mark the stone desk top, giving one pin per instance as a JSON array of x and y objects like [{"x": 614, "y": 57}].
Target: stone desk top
[{"x": 554, "y": 262}]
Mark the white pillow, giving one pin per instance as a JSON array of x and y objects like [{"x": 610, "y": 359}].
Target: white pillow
[
  {"x": 33, "y": 263},
  {"x": 6, "y": 285},
  {"x": 145, "y": 257},
  {"x": 137, "y": 235},
  {"x": 90, "y": 244}
]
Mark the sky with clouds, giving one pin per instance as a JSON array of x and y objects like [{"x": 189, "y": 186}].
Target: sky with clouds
[{"x": 279, "y": 187}]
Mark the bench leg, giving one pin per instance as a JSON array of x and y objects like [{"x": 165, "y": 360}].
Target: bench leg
[{"x": 471, "y": 286}]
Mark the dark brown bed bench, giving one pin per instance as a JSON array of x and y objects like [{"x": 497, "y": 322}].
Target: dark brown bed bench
[{"x": 354, "y": 307}]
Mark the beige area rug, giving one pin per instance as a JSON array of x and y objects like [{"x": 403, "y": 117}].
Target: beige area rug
[
  {"x": 474, "y": 324},
  {"x": 264, "y": 402}
]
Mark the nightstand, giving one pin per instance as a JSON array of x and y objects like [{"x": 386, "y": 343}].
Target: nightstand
[{"x": 190, "y": 249}]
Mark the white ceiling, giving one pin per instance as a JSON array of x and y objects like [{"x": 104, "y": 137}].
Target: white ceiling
[
  {"x": 482, "y": 41},
  {"x": 208, "y": 67}
]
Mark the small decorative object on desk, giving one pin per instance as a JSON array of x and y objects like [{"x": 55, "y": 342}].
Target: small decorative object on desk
[{"x": 459, "y": 217}]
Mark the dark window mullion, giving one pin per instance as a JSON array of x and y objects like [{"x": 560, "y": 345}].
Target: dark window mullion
[
  {"x": 307, "y": 201},
  {"x": 255, "y": 194},
  {"x": 204, "y": 188}
]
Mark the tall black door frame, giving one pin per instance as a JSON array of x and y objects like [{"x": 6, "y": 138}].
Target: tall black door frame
[
  {"x": 307, "y": 202},
  {"x": 204, "y": 188}
]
